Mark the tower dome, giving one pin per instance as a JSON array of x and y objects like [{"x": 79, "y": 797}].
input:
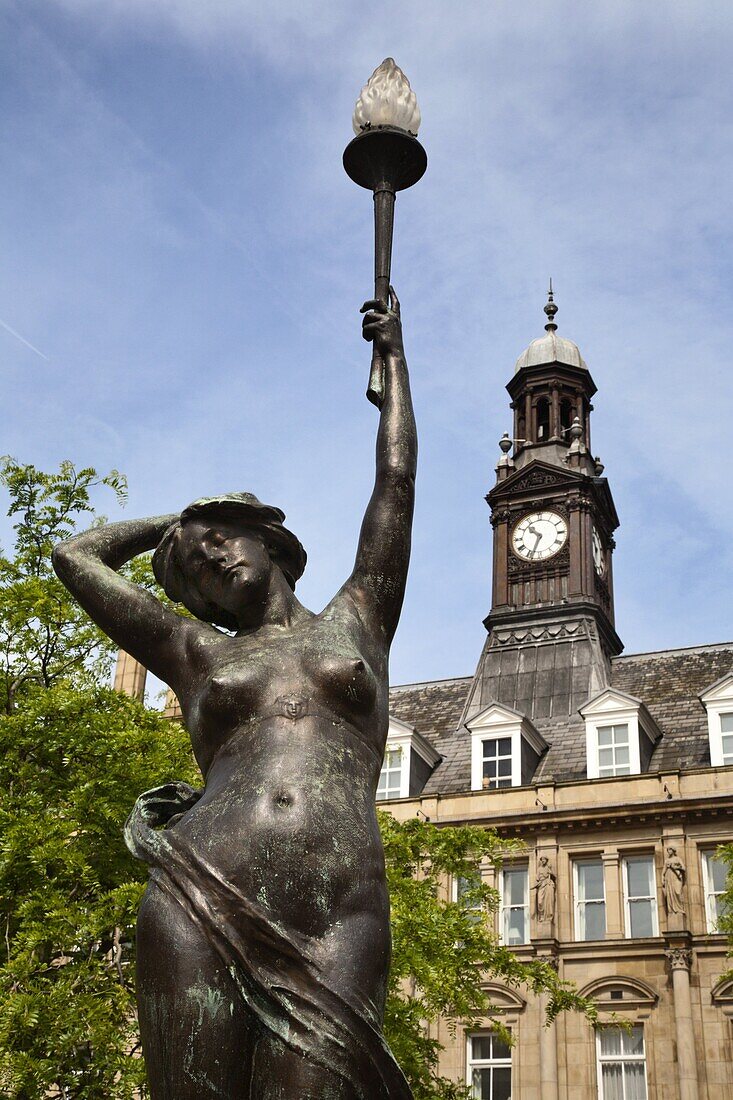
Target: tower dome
[{"x": 551, "y": 348}]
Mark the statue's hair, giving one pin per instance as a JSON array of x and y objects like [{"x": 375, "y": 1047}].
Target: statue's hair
[{"x": 261, "y": 520}]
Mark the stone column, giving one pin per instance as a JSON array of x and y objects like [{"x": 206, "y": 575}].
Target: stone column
[
  {"x": 130, "y": 676},
  {"x": 549, "y": 1087},
  {"x": 679, "y": 956},
  {"x": 612, "y": 886}
]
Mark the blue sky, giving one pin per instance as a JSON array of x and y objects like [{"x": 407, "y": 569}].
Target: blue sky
[{"x": 184, "y": 260}]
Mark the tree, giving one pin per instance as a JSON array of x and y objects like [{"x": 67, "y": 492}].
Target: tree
[
  {"x": 44, "y": 634},
  {"x": 72, "y": 763},
  {"x": 74, "y": 756},
  {"x": 441, "y": 948}
]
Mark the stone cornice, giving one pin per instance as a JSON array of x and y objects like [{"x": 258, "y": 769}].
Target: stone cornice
[{"x": 583, "y": 816}]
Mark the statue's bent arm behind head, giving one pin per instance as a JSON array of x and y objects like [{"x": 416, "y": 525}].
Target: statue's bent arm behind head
[{"x": 134, "y": 619}]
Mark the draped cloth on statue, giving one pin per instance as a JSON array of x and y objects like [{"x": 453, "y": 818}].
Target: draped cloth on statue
[{"x": 273, "y": 966}]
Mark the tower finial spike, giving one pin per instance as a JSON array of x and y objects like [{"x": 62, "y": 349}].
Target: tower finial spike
[{"x": 550, "y": 310}]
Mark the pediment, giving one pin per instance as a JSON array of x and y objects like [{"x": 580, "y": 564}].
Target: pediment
[
  {"x": 720, "y": 691},
  {"x": 399, "y": 729},
  {"x": 496, "y": 714},
  {"x": 537, "y": 475},
  {"x": 609, "y": 701},
  {"x": 502, "y": 998},
  {"x": 722, "y": 995},
  {"x": 401, "y": 734},
  {"x": 503, "y": 720},
  {"x": 620, "y": 992}
]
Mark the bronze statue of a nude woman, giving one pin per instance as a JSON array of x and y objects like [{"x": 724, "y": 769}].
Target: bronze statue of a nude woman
[{"x": 263, "y": 939}]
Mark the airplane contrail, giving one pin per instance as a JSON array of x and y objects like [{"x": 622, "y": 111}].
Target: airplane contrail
[{"x": 22, "y": 339}]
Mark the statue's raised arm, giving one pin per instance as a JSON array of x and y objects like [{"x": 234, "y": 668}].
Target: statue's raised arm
[{"x": 377, "y": 583}]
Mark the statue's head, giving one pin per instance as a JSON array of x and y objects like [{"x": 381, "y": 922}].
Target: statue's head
[
  {"x": 671, "y": 851},
  {"x": 217, "y": 558}
]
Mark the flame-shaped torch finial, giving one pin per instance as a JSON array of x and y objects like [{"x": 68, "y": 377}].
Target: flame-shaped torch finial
[{"x": 387, "y": 100}]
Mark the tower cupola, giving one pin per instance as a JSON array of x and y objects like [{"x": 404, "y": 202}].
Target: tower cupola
[{"x": 551, "y": 389}]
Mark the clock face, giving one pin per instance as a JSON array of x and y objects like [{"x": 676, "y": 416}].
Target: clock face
[
  {"x": 539, "y": 536},
  {"x": 599, "y": 558}
]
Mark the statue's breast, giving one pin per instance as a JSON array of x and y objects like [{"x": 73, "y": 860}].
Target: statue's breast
[{"x": 319, "y": 668}]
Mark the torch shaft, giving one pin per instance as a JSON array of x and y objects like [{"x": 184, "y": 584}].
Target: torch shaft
[{"x": 384, "y": 198}]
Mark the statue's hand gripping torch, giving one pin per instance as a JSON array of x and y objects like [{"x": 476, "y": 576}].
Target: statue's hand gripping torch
[{"x": 386, "y": 157}]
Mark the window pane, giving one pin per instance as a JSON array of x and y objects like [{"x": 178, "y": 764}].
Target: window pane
[
  {"x": 726, "y": 723},
  {"x": 489, "y": 769},
  {"x": 633, "y": 1041},
  {"x": 612, "y": 1082},
  {"x": 621, "y": 735},
  {"x": 728, "y": 745},
  {"x": 640, "y": 917},
  {"x": 489, "y": 749},
  {"x": 610, "y": 1041},
  {"x": 481, "y": 1048},
  {"x": 505, "y": 767},
  {"x": 501, "y": 1049},
  {"x": 505, "y": 746},
  {"x": 502, "y": 1083},
  {"x": 515, "y": 883},
  {"x": 481, "y": 1084},
  {"x": 590, "y": 881},
  {"x": 393, "y": 758},
  {"x": 514, "y": 923},
  {"x": 635, "y": 1083},
  {"x": 605, "y": 735},
  {"x": 622, "y": 754},
  {"x": 605, "y": 758},
  {"x": 716, "y": 873},
  {"x": 639, "y": 874},
  {"x": 595, "y": 921}
]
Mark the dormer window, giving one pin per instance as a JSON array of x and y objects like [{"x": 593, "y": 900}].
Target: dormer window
[
  {"x": 505, "y": 748},
  {"x": 613, "y": 750},
  {"x": 390, "y": 777},
  {"x": 620, "y": 735},
  {"x": 408, "y": 761},
  {"x": 726, "y": 731},
  {"x": 496, "y": 762},
  {"x": 718, "y": 702}
]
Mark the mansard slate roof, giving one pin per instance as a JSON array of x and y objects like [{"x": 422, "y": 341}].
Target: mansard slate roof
[{"x": 669, "y": 682}]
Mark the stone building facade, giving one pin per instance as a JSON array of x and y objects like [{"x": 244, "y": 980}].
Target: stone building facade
[{"x": 615, "y": 770}]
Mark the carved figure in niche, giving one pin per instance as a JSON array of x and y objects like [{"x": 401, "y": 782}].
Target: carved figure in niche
[
  {"x": 673, "y": 881},
  {"x": 263, "y": 937},
  {"x": 545, "y": 886}
]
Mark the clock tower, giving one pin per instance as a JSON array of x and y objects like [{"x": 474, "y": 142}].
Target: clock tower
[{"x": 551, "y": 630}]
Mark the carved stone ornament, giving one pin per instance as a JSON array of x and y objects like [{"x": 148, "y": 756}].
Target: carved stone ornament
[
  {"x": 579, "y": 504},
  {"x": 680, "y": 958},
  {"x": 537, "y": 634},
  {"x": 559, "y": 563},
  {"x": 500, "y": 515},
  {"x": 537, "y": 479},
  {"x": 674, "y": 875},
  {"x": 545, "y": 885}
]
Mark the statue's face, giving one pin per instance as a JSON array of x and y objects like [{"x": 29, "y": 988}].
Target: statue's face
[{"x": 228, "y": 564}]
